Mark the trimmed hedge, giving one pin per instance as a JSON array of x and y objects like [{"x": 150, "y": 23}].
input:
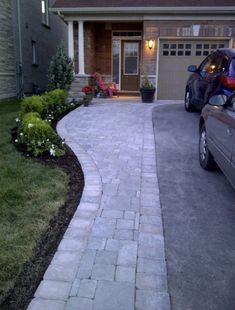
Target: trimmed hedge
[
  {"x": 50, "y": 105},
  {"x": 38, "y": 136},
  {"x": 36, "y": 114}
]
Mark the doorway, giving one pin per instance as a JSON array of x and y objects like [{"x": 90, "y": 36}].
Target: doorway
[{"x": 126, "y": 64}]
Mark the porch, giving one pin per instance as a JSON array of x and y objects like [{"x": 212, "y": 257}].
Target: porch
[{"x": 119, "y": 51}]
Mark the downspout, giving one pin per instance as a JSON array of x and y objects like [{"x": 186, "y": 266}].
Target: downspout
[
  {"x": 19, "y": 31},
  {"x": 19, "y": 69}
]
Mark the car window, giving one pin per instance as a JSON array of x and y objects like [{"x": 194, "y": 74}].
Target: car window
[
  {"x": 232, "y": 68},
  {"x": 231, "y": 102},
  {"x": 221, "y": 63},
  {"x": 215, "y": 63},
  {"x": 205, "y": 65}
]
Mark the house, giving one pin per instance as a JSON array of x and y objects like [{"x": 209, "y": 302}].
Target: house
[
  {"x": 127, "y": 39},
  {"x": 29, "y": 37}
]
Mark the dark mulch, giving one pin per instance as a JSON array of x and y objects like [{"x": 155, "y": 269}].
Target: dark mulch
[{"x": 33, "y": 270}]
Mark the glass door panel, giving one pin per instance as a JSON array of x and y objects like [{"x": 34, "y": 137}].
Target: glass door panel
[
  {"x": 116, "y": 61},
  {"x": 131, "y": 58}
]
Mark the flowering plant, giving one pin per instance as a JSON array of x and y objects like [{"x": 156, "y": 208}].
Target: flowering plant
[
  {"x": 88, "y": 89},
  {"x": 96, "y": 76}
]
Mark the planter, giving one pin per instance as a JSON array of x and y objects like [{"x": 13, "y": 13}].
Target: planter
[{"x": 147, "y": 94}]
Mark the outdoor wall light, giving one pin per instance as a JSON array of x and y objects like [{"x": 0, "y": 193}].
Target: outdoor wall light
[{"x": 150, "y": 44}]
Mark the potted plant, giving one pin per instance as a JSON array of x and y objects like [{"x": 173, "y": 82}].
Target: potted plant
[
  {"x": 147, "y": 90},
  {"x": 89, "y": 94}
]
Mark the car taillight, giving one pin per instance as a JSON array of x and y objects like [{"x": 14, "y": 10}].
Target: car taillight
[{"x": 228, "y": 81}]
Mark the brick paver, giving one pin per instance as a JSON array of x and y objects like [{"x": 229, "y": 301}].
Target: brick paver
[{"x": 112, "y": 255}]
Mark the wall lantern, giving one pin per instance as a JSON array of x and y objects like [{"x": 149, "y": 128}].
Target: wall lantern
[{"x": 150, "y": 44}]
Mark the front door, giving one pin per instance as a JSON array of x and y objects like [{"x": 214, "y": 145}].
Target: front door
[{"x": 130, "y": 68}]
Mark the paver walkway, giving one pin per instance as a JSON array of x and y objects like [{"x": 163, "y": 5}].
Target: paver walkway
[{"x": 112, "y": 256}]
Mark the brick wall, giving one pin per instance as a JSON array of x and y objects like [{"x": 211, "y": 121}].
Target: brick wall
[
  {"x": 7, "y": 54},
  {"x": 47, "y": 40},
  {"x": 98, "y": 45},
  {"x": 179, "y": 29}
]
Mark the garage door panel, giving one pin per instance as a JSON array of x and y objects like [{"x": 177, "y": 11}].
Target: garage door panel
[{"x": 174, "y": 58}]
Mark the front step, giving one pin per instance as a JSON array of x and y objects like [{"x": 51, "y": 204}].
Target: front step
[{"x": 128, "y": 93}]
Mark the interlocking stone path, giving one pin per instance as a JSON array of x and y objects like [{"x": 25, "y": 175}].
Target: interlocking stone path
[{"x": 112, "y": 255}]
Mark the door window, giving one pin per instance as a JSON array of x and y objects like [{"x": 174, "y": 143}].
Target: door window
[
  {"x": 131, "y": 58},
  {"x": 116, "y": 61},
  {"x": 204, "y": 67}
]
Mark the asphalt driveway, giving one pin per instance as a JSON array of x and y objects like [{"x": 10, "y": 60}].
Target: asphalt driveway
[{"x": 199, "y": 217}]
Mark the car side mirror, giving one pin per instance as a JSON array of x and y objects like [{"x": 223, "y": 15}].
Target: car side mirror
[
  {"x": 192, "y": 68},
  {"x": 218, "y": 100}
]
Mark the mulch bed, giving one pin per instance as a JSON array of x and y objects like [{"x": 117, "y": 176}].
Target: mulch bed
[{"x": 22, "y": 293}]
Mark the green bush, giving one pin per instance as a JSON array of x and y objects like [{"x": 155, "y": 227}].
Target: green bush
[
  {"x": 58, "y": 95},
  {"x": 50, "y": 105},
  {"x": 54, "y": 104},
  {"x": 60, "y": 72},
  {"x": 38, "y": 136},
  {"x": 32, "y": 104}
]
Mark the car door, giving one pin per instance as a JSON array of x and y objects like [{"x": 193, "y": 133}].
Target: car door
[
  {"x": 220, "y": 126},
  {"x": 199, "y": 82},
  {"x": 208, "y": 77}
]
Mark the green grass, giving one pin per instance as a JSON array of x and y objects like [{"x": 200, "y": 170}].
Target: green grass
[{"x": 30, "y": 195}]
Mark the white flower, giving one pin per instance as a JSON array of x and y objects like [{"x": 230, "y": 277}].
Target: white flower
[
  {"x": 49, "y": 120},
  {"x": 63, "y": 142},
  {"x": 52, "y": 152},
  {"x": 21, "y": 134},
  {"x": 30, "y": 125},
  {"x": 16, "y": 140},
  {"x": 17, "y": 120}
]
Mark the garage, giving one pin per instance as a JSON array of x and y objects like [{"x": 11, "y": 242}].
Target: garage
[{"x": 174, "y": 58}]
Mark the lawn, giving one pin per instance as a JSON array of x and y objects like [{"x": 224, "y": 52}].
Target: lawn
[{"x": 30, "y": 195}]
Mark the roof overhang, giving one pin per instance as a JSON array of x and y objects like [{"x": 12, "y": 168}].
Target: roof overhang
[
  {"x": 147, "y": 10},
  {"x": 195, "y": 13}
]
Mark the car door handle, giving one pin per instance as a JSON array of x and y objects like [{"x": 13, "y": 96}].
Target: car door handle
[{"x": 229, "y": 132}]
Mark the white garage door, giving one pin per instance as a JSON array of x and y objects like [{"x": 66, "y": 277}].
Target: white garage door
[{"x": 174, "y": 58}]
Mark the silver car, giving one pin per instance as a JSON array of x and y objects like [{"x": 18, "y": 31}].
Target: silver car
[{"x": 217, "y": 135}]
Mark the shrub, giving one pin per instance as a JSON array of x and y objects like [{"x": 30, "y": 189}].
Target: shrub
[
  {"x": 32, "y": 104},
  {"x": 60, "y": 72},
  {"x": 49, "y": 106},
  {"x": 38, "y": 136},
  {"x": 54, "y": 104}
]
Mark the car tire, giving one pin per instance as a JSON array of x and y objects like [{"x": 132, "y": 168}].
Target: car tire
[
  {"x": 188, "y": 102},
  {"x": 205, "y": 157}
]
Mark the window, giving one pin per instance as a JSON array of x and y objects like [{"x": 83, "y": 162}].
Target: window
[
  {"x": 174, "y": 49},
  {"x": 131, "y": 58},
  {"x": 127, "y": 34},
  {"x": 44, "y": 11},
  {"x": 116, "y": 61},
  {"x": 34, "y": 56},
  {"x": 204, "y": 67}
]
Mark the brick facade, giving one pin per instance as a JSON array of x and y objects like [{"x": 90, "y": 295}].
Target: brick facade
[
  {"x": 7, "y": 52},
  {"x": 27, "y": 21},
  {"x": 179, "y": 29}
]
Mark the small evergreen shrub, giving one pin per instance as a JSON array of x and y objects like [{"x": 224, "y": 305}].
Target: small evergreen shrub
[
  {"x": 49, "y": 106},
  {"x": 34, "y": 129},
  {"x": 32, "y": 104},
  {"x": 60, "y": 72},
  {"x": 38, "y": 136},
  {"x": 54, "y": 104}
]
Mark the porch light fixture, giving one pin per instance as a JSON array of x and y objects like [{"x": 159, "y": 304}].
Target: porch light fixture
[{"x": 150, "y": 44}]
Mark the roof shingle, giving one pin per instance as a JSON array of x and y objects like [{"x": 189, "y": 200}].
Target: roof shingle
[{"x": 140, "y": 3}]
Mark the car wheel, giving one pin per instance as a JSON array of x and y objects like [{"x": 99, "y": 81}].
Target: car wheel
[
  {"x": 187, "y": 101},
  {"x": 206, "y": 159}
]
